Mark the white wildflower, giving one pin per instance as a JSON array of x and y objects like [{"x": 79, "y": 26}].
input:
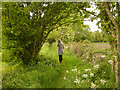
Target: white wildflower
[
  {"x": 103, "y": 81},
  {"x": 91, "y": 74},
  {"x": 96, "y": 66},
  {"x": 79, "y": 72},
  {"x": 82, "y": 81},
  {"x": 103, "y": 56},
  {"x": 77, "y": 80},
  {"x": 87, "y": 70},
  {"x": 110, "y": 61},
  {"x": 45, "y": 5},
  {"x": 85, "y": 75},
  {"x": 74, "y": 70},
  {"x": 64, "y": 78},
  {"x": 67, "y": 71},
  {"x": 93, "y": 85}
]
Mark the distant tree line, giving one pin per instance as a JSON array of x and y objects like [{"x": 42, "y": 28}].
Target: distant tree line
[{"x": 76, "y": 33}]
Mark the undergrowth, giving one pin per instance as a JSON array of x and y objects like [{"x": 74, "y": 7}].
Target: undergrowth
[
  {"x": 75, "y": 71},
  {"x": 40, "y": 75}
]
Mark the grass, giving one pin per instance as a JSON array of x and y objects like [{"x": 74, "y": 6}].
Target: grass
[{"x": 47, "y": 72}]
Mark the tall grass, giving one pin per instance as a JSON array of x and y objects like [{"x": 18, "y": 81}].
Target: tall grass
[
  {"x": 41, "y": 73},
  {"x": 46, "y": 72}
]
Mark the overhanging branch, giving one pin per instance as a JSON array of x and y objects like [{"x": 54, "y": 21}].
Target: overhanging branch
[
  {"x": 111, "y": 16},
  {"x": 65, "y": 23}
]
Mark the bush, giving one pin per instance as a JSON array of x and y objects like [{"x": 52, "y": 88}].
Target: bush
[
  {"x": 51, "y": 40},
  {"x": 6, "y": 55},
  {"x": 41, "y": 75},
  {"x": 104, "y": 70},
  {"x": 80, "y": 49},
  {"x": 86, "y": 41}
]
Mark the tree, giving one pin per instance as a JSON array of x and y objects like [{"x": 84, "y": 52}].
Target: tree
[
  {"x": 110, "y": 25},
  {"x": 66, "y": 34},
  {"x": 98, "y": 36},
  {"x": 81, "y": 31},
  {"x": 26, "y": 25}
]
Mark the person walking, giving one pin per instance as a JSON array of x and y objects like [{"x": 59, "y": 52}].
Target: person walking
[{"x": 60, "y": 46}]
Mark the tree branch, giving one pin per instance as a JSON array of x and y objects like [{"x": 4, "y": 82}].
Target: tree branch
[
  {"x": 60, "y": 26},
  {"x": 115, "y": 24},
  {"x": 111, "y": 16},
  {"x": 89, "y": 12}
]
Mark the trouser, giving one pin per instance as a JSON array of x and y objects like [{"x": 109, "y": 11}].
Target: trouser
[{"x": 60, "y": 58}]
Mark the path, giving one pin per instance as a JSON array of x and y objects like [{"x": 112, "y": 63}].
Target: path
[
  {"x": 60, "y": 79},
  {"x": 68, "y": 63}
]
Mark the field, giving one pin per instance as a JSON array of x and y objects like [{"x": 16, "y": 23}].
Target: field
[{"x": 83, "y": 66}]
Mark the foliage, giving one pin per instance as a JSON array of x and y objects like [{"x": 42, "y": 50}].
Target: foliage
[
  {"x": 108, "y": 27},
  {"x": 98, "y": 37},
  {"x": 81, "y": 31},
  {"x": 23, "y": 77},
  {"x": 87, "y": 50},
  {"x": 109, "y": 13},
  {"x": 76, "y": 32},
  {"x": 26, "y": 25},
  {"x": 51, "y": 40},
  {"x": 66, "y": 34},
  {"x": 48, "y": 73},
  {"x": 86, "y": 41},
  {"x": 89, "y": 76},
  {"x": 5, "y": 55}
]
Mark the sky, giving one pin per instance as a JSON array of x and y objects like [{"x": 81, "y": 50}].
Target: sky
[{"x": 93, "y": 25}]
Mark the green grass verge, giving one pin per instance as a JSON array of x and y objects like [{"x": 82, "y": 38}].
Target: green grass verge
[{"x": 47, "y": 72}]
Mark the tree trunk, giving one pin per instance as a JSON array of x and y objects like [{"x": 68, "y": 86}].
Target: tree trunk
[
  {"x": 118, "y": 40},
  {"x": 30, "y": 52},
  {"x": 118, "y": 44},
  {"x": 34, "y": 48},
  {"x": 116, "y": 71},
  {"x": 112, "y": 66}
]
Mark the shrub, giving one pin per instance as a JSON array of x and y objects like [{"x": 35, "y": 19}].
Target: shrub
[
  {"x": 86, "y": 41},
  {"x": 51, "y": 40},
  {"x": 104, "y": 70},
  {"x": 41, "y": 75},
  {"x": 6, "y": 55}
]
